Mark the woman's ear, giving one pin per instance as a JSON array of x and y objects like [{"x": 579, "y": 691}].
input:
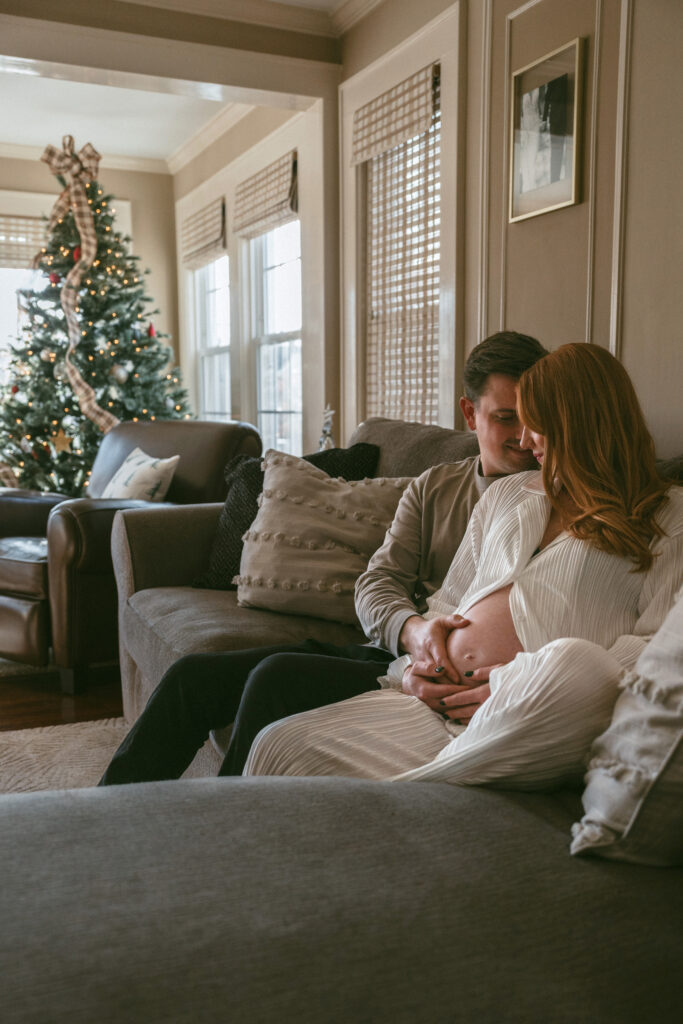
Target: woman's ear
[{"x": 468, "y": 410}]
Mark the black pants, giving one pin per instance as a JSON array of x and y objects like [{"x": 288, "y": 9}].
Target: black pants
[{"x": 250, "y": 689}]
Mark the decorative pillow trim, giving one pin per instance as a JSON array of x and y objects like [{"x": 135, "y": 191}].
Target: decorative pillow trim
[
  {"x": 272, "y": 584},
  {"x": 297, "y": 542},
  {"x": 664, "y": 696},
  {"x": 636, "y": 777}
]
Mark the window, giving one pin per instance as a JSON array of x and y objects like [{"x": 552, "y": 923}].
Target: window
[
  {"x": 277, "y": 317},
  {"x": 12, "y": 280},
  {"x": 397, "y": 141},
  {"x": 212, "y": 338}
]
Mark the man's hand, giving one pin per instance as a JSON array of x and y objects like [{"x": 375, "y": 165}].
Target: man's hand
[{"x": 425, "y": 641}]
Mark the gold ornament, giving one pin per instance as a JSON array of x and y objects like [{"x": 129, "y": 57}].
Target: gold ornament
[{"x": 61, "y": 442}]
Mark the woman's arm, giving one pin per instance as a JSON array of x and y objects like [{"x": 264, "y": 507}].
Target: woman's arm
[{"x": 662, "y": 582}]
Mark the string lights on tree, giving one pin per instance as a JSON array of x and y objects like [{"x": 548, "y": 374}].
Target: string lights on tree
[{"x": 87, "y": 357}]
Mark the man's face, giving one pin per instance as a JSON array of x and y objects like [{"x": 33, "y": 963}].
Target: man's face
[{"x": 494, "y": 418}]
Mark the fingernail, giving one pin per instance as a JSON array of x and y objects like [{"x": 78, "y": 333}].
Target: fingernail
[
  {"x": 442, "y": 703},
  {"x": 468, "y": 674}
]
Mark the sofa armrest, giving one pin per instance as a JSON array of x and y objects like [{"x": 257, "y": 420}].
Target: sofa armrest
[
  {"x": 168, "y": 546},
  {"x": 79, "y": 533},
  {"x": 24, "y": 513}
]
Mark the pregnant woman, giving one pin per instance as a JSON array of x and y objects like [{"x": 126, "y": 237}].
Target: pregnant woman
[{"x": 561, "y": 578}]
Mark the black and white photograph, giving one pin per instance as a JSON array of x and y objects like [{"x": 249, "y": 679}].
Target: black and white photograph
[{"x": 544, "y": 134}]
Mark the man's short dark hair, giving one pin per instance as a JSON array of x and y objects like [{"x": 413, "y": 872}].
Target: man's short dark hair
[{"x": 506, "y": 352}]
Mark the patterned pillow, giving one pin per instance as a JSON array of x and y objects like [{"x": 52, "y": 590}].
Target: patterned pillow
[
  {"x": 633, "y": 800},
  {"x": 142, "y": 476},
  {"x": 312, "y": 538},
  {"x": 244, "y": 476}
]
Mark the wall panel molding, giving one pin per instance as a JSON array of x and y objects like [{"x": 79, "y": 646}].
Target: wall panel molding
[
  {"x": 590, "y": 185},
  {"x": 620, "y": 176},
  {"x": 484, "y": 158}
]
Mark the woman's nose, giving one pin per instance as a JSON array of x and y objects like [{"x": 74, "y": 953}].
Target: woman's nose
[{"x": 525, "y": 439}]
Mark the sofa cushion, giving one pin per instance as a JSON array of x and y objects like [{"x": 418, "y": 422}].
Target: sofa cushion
[
  {"x": 323, "y": 900},
  {"x": 633, "y": 801},
  {"x": 313, "y": 536},
  {"x": 408, "y": 449},
  {"x": 23, "y": 566},
  {"x": 142, "y": 477},
  {"x": 244, "y": 477},
  {"x": 165, "y": 623}
]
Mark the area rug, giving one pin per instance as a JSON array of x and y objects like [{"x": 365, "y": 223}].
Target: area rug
[
  {"x": 58, "y": 756},
  {"x": 72, "y": 756}
]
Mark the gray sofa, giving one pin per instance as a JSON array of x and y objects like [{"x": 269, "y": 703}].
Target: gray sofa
[{"x": 317, "y": 901}]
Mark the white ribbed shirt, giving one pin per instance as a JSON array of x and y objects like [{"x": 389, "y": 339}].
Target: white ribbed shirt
[{"x": 570, "y": 589}]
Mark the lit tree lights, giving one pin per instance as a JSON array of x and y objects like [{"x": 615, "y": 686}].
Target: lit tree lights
[{"x": 48, "y": 435}]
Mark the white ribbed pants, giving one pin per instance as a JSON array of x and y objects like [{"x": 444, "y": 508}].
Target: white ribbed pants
[{"x": 535, "y": 730}]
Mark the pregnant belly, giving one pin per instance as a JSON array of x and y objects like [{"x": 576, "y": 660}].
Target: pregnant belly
[{"x": 490, "y": 638}]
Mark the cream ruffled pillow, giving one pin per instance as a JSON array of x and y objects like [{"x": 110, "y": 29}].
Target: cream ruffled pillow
[
  {"x": 142, "y": 477},
  {"x": 633, "y": 801},
  {"x": 312, "y": 538}
]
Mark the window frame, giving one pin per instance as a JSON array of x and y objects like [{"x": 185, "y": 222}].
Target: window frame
[
  {"x": 440, "y": 41},
  {"x": 259, "y": 336},
  {"x": 203, "y": 350},
  {"x": 303, "y": 133}
]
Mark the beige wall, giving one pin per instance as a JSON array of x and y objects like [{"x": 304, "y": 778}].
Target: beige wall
[
  {"x": 606, "y": 270},
  {"x": 152, "y": 213},
  {"x": 250, "y": 130}
]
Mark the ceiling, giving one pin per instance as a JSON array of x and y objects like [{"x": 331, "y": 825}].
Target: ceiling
[{"x": 147, "y": 125}]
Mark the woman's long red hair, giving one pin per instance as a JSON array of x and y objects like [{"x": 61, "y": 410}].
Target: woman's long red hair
[{"x": 597, "y": 449}]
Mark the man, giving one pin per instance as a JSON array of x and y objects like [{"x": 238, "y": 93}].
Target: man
[{"x": 253, "y": 688}]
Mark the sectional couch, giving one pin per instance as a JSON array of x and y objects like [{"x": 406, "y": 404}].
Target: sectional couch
[{"x": 333, "y": 900}]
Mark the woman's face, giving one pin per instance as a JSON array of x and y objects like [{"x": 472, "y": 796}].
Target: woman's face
[{"x": 534, "y": 442}]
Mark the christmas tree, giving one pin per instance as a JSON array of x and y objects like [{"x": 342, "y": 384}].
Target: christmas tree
[{"x": 89, "y": 354}]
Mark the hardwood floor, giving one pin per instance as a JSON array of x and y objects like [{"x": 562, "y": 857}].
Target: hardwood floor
[{"x": 29, "y": 701}]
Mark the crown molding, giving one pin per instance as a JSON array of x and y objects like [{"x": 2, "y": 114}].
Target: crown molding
[
  {"x": 210, "y": 132},
  {"x": 347, "y": 14},
  {"x": 256, "y": 12},
  {"x": 10, "y": 151}
]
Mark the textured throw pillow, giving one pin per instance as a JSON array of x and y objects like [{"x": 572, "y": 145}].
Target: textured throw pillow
[
  {"x": 244, "y": 476},
  {"x": 142, "y": 477},
  {"x": 633, "y": 800},
  {"x": 312, "y": 538}
]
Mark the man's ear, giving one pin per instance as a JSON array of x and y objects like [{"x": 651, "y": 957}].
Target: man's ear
[{"x": 467, "y": 409}]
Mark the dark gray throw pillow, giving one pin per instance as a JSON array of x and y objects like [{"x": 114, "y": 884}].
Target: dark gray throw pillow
[{"x": 244, "y": 477}]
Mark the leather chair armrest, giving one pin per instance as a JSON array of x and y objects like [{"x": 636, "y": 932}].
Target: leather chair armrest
[
  {"x": 79, "y": 534},
  {"x": 24, "y": 513},
  {"x": 81, "y": 582},
  {"x": 162, "y": 546}
]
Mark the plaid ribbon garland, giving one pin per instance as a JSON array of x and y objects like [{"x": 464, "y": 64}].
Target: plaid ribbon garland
[{"x": 77, "y": 168}]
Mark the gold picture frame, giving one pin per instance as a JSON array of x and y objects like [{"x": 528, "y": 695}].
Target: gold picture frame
[{"x": 545, "y": 149}]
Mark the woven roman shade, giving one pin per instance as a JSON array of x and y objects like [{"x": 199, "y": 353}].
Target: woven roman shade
[
  {"x": 203, "y": 235},
  {"x": 399, "y": 114},
  {"x": 21, "y": 238},
  {"x": 268, "y": 198},
  {"x": 403, "y": 273}
]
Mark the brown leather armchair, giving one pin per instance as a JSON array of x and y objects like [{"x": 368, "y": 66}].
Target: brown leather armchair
[{"x": 57, "y": 588}]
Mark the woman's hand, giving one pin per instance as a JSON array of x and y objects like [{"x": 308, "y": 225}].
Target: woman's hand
[
  {"x": 420, "y": 680},
  {"x": 468, "y": 698},
  {"x": 425, "y": 641}
]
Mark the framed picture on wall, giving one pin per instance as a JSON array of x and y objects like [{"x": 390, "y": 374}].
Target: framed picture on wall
[{"x": 544, "y": 133}]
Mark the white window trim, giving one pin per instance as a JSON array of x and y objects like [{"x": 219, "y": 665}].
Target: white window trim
[
  {"x": 441, "y": 41},
  {"x": 304, "y": 132}
]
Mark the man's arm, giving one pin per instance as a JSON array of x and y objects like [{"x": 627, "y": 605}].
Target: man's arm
[{"x": 418, "y": 548}]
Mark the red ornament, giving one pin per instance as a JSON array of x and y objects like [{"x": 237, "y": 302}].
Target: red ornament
[
  {"x": 15, "y": 388},
  {"x": 77, "y": 253},
  {"x": 151, "y": 331},
  {"x": 34, "y": 454},
  {"x": 54, "y": 278}
]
